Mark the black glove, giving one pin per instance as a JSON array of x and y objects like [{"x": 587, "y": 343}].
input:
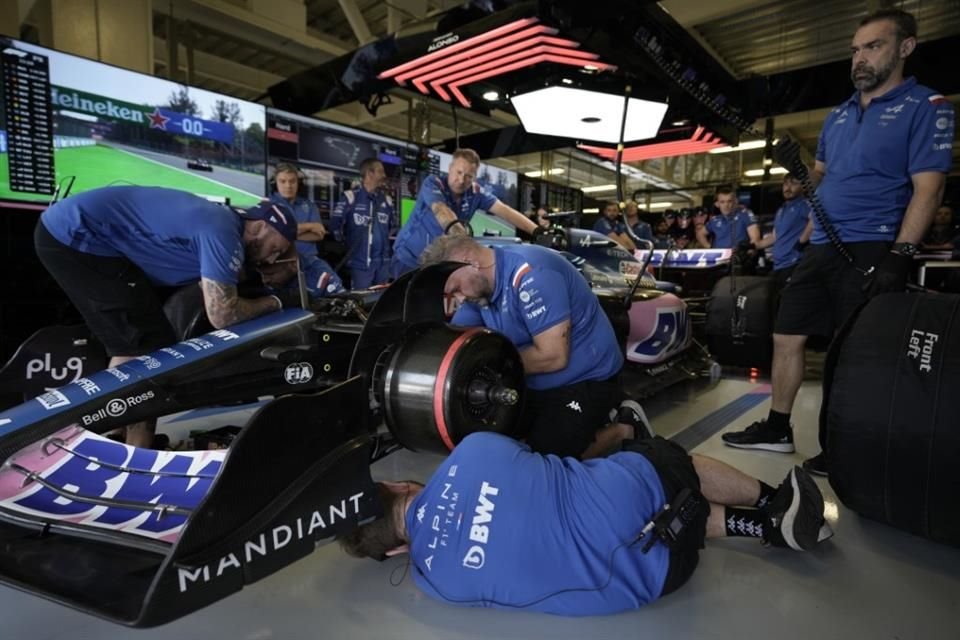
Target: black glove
[
  {"x": 288, "y": 298},
  {"x": 746, "y": 246},
  {"x": 890, "y": 275}
]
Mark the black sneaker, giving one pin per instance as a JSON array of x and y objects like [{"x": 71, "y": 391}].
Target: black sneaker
[
  {"x": 795, "y": 513},
  {"x": 630, "y": 412},
  {"x": 817, "y": 465},
  {"x": 759, "y": 436}
]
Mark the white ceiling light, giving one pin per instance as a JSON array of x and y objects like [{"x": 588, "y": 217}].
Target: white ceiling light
[
  {"x": 591, "y": 210},
  {"x": 491, "y": 96},
  {"x": 743, "y": 146},
  {"x": 660, "y": 205},
  {"x": 599, "y": 187},
  {"x": 756, "y": 173},
  {"x": 537, "y": 174},
  {"x": 587, "y": 115}
]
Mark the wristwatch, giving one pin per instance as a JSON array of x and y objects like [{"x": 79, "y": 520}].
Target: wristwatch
[{"x": 904, "y": 249}]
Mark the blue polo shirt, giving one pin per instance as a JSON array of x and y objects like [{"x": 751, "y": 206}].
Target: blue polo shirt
[
  {"x": 422, "y": 227},
  {"x": 535, "y": 289},
  {"x": 606, "y": 227},
  {"x": 173, "y": 236},
  {"x": 499, "y": 526},
  {"x": 320, "y": 278},
  {"x": 642, "y": 230},
  {"x": 789, "y": 223},
  {"x": 870, "y": 156},
  {"x": 729, "y": 231}
]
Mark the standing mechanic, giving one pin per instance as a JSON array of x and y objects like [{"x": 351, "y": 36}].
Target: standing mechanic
[
  {"x": 734, "y": 226},
  {"x": 364, "y": 219},
  {"x": 571, "y": 356},
  {"x": 111, "y": 248},
  {"x": 881, "y": 165},
  {"x": 443, "y": 202},
  {"x": 792, "y": 227},
  {"x": 320, "y": 278},
  {"x": 500, "y": 526}
]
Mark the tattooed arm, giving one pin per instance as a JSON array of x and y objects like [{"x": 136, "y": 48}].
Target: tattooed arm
[{"x": 224, "y": 307}]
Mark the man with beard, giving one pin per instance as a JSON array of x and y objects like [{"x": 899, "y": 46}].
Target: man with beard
[
  {"x": 881, "y": 167},
  {"x": 610, "y": 225},
  {"x": 571, "y": 357},
  {"x": 792, "y": 227},
  {"x": 113, "y": 250}
]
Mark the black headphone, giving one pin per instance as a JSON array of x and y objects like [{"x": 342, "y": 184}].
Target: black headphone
[{"x": 288, "y": 167}]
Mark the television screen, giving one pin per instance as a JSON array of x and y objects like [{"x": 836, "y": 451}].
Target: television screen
[
  {"x": 63, "y": 117},
  {"x": 329, "y": 155}
]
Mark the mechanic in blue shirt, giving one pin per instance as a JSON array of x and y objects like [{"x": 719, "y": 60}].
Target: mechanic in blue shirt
[
  {"x": 610, "y": 225},
  {"x": 502, "y": 527},
  {"x": 792, "y": 226},
  {"x": 641, "y": 229},
  {"x": 443, "y": 202},
  {"x": 364, "y": 219},
  {"x": 735, "y": 224},
  {"x": 320, "y": 278},
  {"x": 570, "y": 354},
  {"x": 110, "y": 249},
  {"x": 881, "y": 165}
]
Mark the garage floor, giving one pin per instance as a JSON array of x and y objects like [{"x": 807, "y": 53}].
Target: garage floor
[{"x": 869, "y": 581}]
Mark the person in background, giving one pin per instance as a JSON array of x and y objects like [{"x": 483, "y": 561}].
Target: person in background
[
  {"x": 364, "y": 219},
  {"x": 792, "y": 227},
  {"x": 609, "y": 224},
  {"x": 943, "y": 233},
  {"x": 441, "y": 203},
  {"x": 112, "y": 250},
  {"x": 320, "y": 278},
  {"x": 631, "y": 215},
  {"x": 734, "y": 226}
]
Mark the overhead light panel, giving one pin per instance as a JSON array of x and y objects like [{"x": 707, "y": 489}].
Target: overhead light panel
[
  {"x": 591, "y": 210},
  {"x": 701, "y": 140},
  {"x": 757, "y": 173},
  {"x": 660, "y": 205},
  {"x": 516, "y": 45},
  {"x": 587, "y": 115},
  {"x": 491, "y": 96},
  {"x": 539, "y": 174},
  {"x": 599, "y": 187},
  {"x": 743, "y": 146}
]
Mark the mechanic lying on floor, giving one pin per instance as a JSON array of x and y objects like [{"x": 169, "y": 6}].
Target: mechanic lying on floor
[
  {"x": 500, "y": 526},
  {"x": 570, "y": 353}
]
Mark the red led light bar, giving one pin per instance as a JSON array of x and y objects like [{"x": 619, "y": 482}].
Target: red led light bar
[
  {"x": 446, "y": 70},
  {"x": 507, "y": 48},
  {"x": 430, "y": 57},
  {"x": 514, "y": 40},
  {"x": 700, "y": 142}
]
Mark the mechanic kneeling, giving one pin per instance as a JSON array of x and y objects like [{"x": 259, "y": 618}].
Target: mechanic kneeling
[
  {"x": 500, "y": 526},
  {"x": 570, "y": 354}
]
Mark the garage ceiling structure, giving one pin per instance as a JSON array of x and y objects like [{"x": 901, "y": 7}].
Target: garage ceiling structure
[{"x": 787, "y": 59}]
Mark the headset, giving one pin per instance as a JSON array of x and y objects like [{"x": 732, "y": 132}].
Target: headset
[{"x": 289, "y": 167}]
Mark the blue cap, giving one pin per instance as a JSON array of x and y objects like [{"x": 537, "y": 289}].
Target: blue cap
[{"x": 278, "y": 216}]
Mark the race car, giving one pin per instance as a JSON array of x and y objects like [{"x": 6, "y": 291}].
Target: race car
[
  {"x": 199, "y": 164},
  {"x": 142, "y": 537}
]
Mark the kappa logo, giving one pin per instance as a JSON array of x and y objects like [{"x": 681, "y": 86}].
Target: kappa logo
[{"x": 574, "y": 405}]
